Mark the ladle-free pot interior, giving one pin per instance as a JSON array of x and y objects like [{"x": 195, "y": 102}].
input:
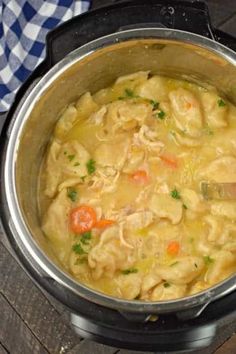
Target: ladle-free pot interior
[{"x": 90, "y": 68}]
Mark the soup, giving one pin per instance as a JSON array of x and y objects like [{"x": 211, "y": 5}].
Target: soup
[{"x": 120, "y": 188}]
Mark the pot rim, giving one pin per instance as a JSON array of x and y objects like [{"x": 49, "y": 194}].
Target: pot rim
[{"x": 17, "y": 224}]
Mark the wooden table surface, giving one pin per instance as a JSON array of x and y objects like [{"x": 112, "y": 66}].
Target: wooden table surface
[{"x": 32, "y": 322}]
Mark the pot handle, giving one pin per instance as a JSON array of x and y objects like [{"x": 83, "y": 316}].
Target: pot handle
[{"x": 191, "y": 16}]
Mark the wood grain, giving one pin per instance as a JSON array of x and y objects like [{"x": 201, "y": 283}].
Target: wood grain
[
  {"x": 14, "y": 334},
  {"x": 230, "y": 25},
  {"x": 45, "y": 322},
  {"x": 3, "y": 350},
  {"x": 228, "y": 347},
  {"x": 89, "y": 347},
  {"x": 221, "y": 11}
]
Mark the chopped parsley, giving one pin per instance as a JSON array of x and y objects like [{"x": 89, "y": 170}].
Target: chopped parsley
[
  {"x": 71, "y": 157},
  {"x": 208, "y": 260},
  {"x": 207, "y": 130},
  {"x": 83, "y": 178},
  {"x": 65, "y": 152},
  {"x": 161, "y": 115},
  {"x": 173, "y": 264},
  {"x": 91, "y": 166},
  {"x": 166, "y": 285},
  {"x": 175, "y": 194},
  {"x": 76, "y": 164},
  {"x": 195, "y": 265},
  {"x": 221, "y": 103},
  {"x": 185, "y": 206},
  {"x": 72, "y": 194},
  {"x": 154, "y": 104},
  {"x": 129, "y": 271},
  {"x": 86, "y": 237},
  {"x": 128, "y": 93},
  {"x": 81, "y": 260},
  {"x": 77, "y": 248}
]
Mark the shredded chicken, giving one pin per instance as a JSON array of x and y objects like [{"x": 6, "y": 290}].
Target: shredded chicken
[{"x": 149, "y": 139}]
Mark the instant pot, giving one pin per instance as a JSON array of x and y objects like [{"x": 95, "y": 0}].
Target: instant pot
[{"x": 88, "y": 53}]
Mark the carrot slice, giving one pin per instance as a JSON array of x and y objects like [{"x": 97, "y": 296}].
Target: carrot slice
[
  {"x": 170, "y": 161},
  {"x": 101, "y": 224},
  {"x": 140, "y": 177},
  {"x": 173, "y": 248},
  {"x": 82, "y": 219}
]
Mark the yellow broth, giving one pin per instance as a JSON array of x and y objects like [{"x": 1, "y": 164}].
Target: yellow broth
[{"x": 136, "y": 154}]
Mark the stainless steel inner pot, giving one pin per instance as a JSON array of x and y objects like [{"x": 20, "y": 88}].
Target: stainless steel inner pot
[{"x": 92, "y": 67}]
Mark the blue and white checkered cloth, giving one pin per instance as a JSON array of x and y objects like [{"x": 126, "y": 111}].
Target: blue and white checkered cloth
[{"x": 23, "y": 28}]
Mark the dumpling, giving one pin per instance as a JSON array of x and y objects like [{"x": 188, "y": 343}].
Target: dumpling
[
  {"x": 56, "y": 226},
  {"x": 215, "y": 115},
  {"x": 53, "y": 169},
  {"x": 65, "y": 166},
  {"x": 192, "y": 200},
  {"x": 129, "y": 286},
  {"x": 98, "y": 117},
  {"x": 139, "y": 220},
  {"x": 224, "y": 208},
  {"x": 66, "y": 122},
  {"x": 86, "y": 105},
  {"x": 167, "y": 291},
  {"x": 222, "y": 266},
  {"x": 134, "y": 160},
  {"x": 215, "y": 228},
  {"x": 112, "y": 154},
  {"x": 228, "y": 235},
  {"x": 221, "y": 170},
  {"x": 183, "y": 272},
  {"x": 197, "y": 287},
  {"x": 110, "y": 254},
  {"x": 127, "y": 115},
  {"x": 77, "y": 266},
  {"x": 186, "y": 112},
  {"x": 138, "y": 76},
  {"x": 164, "y": 206},
  {"x": 149, "y": 282},
  {"x": 230, "y": 246},
  {"x": 153, "y": 89},
  {"x": 181, "y": 139}
]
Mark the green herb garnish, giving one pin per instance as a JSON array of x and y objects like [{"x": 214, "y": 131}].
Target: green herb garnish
[
  {"x": 72, "y": 194},
  {"x": 86, "y": 237},
  {"x": 83, "y": 178},
  {"x": 154, "y": 104},
  {"x": 91, "y": 166},
  {"x": 71, "y": 157},
  {"x": 208, "y": 130},
  {"x": 173, "y": 264},
  {"x": 175, "y": 194},
  {"x": 81, "y": 260},
  {"x": 221, "y": 103},
  {"x": 208, "y": 260},
  {"x": 129, "y": 271},
  {"x": 128, "y": 93},
  {"x": 195, "y": 265},
  {"x": 185, "y": 206},
  {"x": 77, "y": 248},
  {"x": 76, "y": 164},
  {"x": 161, "y": 115},
  {"x": 166, "y": 285}
]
